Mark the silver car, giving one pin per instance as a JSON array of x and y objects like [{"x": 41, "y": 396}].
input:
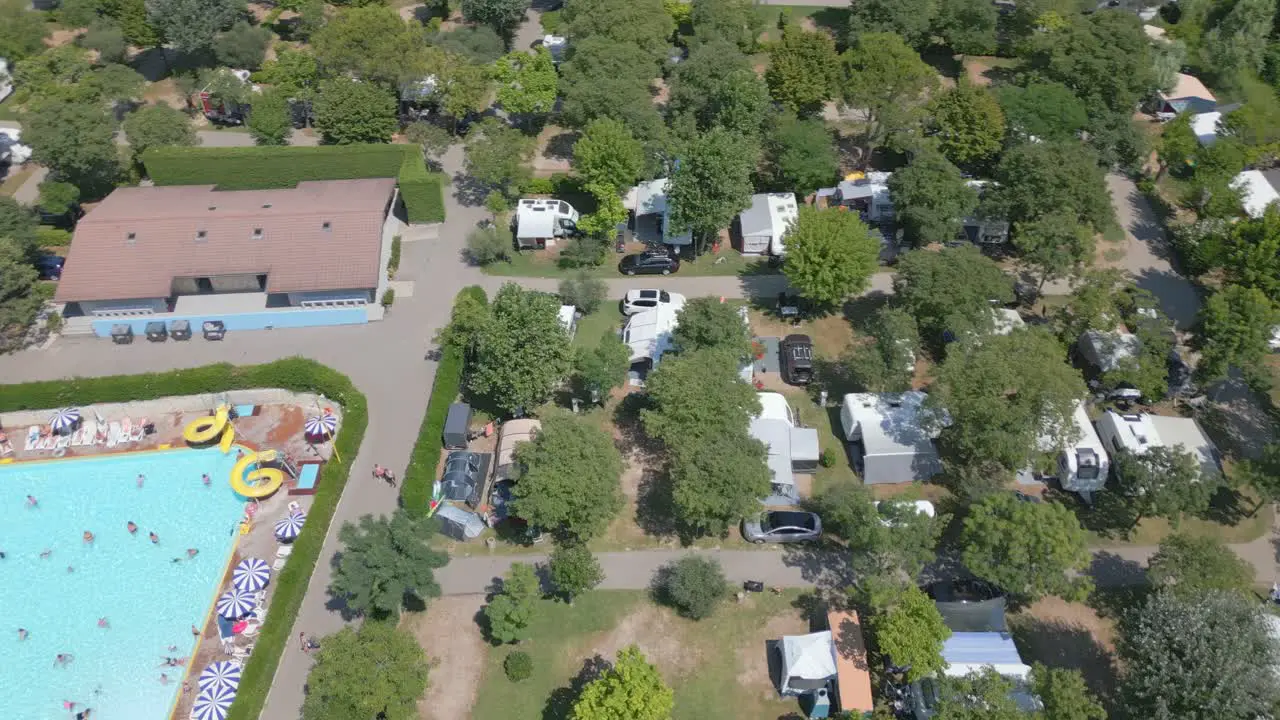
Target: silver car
[{"x": 781, "y": 526}]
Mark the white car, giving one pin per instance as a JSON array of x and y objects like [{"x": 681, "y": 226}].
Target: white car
[
  {"x": 1274, "y": 342},
  {"x": 640, "y": 300},
  {"x": 924, "y": 507}
]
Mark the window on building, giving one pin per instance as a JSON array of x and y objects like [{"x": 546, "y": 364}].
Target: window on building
[{"x": 204, "y": 285}]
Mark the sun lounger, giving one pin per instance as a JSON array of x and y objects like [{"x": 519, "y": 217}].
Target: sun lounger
[
  {"x": 126, "y": 429},
  {"x": 139, "y": 429},
  {"x": 113, "y": 434},
  {"x": 284, "y": 550},
  {"x": 88, "y": 432},
  {"x": 47, "y": 442},
  {"x": 33, "y": 438},
  {"x": 77, "y": 437},
  {"x": 62, "y": 442},
  {"x": 6, "y": 449},
  {"x": 280, "y": 561}
]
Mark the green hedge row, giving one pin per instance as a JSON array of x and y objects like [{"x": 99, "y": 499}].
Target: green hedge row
[
  {"x": 296, "y": 374},
  {"x": 258, "y": 168},
  {"x": 415, "y": 491}
]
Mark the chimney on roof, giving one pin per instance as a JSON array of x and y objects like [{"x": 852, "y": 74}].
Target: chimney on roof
[{"x": 325, "y": 226}]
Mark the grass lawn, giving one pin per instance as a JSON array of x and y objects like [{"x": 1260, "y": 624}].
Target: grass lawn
[
  {"x": 542, "y": 263},
  {"x": 1227, "y": 519},
  {"x": 834, "y": 19},
  {"x": 717, "y": 667},
  {"x": 604, "y": 321}
]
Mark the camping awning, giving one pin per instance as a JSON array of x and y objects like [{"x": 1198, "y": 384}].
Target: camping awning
[{"x": 808, "y": 661}]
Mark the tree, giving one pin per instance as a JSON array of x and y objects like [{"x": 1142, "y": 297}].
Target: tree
[
  {"x": 583, "y": 292},
  {"x": 968, "y": 27},
  {"x": 706, "y": 322},
  {"x": 271, "y": 122},
  {"x": 830, "y": 255},
  {"x": 523, "y": 353},
  {"x": 134, "y": 18},
  {"x": 526, "y": 82},
  {"x": 911, "y": 19},
  {"x": 931, "y": 198},
  {"x": 887, "y": 538},
  {"x": 717, "y": 480},
  {"x": 22, "y": 31},
  {"x": 193, "y": 25},
  {"x": 574, "y": 570},
  {"x": 1167, "y": 59},
  {"x": 1105, "y": 58},
  {"x": 488, "y": 245},
  {"x": 435, "y": 140},
  {"x": 295, "y": 72},
  {"x": 733, "y": 20},
  {"x": 242, "y": 46},
  {"x": 1235, "y": 331},
  {"x": 504, "y": 16},
  {"x": 608, "y": 153},
  {"x": 910, "y": 632},
  {"x": 980, "y": 695},
  {"x": 603, "y": 78},
  {"x": 887, "y": 363},
  {"x": 1251, "y": 251},
  {"x": 1262, "y": 474},
  {"x": 604, "y": 367},
  {"x": 711, "y": 183},
  {"x": 18, "y": 223},
  {"x": 630, "y": 690},
  {"x": 950, "y": 290},
  {"x": 1043, "y": 110},
  {"x": 58, "y": 74},
  {"x": 1035, "y": 179},
  {"x": 374, "y": 44},
  {"x": 498, "y": 156},
  {"x": 599, "y": 227},
  {"x": 478, "y": 43},
  {"x": 384, "y": 562},
  {"x": 1178, "y": 145},
  {"x": 569, "y": 482},
  {"x": 105, "y": 36},
  {"x": 56, "y": 198},
  {"x": 376, "y": 671},
  {"x": 115, "y": 84},
  {"x": 18, "y": 303},
  {"x": 717, "y": 87},
  {"x": 464, "y": 88},
  {"x": 1239, "y": 41},
  {"x": 800, "y": 154},
  {"x": 1187, "y": 564},
  {"x": 694, "y": 396},
  {"x": 1028, "y": 549},
  {"x": 968, "y": 124},
  {"x": 1064, "y": 694},
  {"x": 641, "y": 24},
  {"x": 884, "y": 78},
  {"x": 157, "y": 126},
  {"x": 511, "y": 609},
  {"x": 1054, "y": 246},
  {"x": 694, "y": 585},
  {"x": 1162, "y": 482},
  {"x": 1181, "y": 649},
  {"x": 804, "y": 70},
  {"x": 76, "y": 142},
  {"x": 349, "y": 112}
]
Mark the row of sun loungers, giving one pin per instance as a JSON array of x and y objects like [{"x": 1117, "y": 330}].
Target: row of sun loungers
[{"x": 90, "y": 433}]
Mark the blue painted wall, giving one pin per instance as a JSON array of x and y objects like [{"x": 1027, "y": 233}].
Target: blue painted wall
[{"x": 288, "y": 318}]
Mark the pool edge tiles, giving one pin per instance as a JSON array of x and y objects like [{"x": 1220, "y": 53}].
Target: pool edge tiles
[{"x": 150, "y": 597}]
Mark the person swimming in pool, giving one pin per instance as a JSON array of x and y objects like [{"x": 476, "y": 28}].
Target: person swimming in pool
[
  {"x": 70, "y": 569},
  {"x": 205, "y": 479},
  {"x": 164, "y": 679},
  {"x": 103, "y": 622},
  {"x": 191, "y": 553},
  {"x": 88, "y": 537},
  {"x": 32, "y": 502},
  {"x": 155, "y": 539},
  {"x": 46, "y": 553},
  {"x": 141, "y": 479},
  {"x": 22, "y": 634},
  {"x": 63, "y": 659},
  {"x": 84, "y": 714},
  {"x": 133, "y": 527}
]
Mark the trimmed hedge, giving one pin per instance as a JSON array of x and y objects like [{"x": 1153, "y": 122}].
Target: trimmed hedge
[
  {"x": 415, "y": 491},
  {"x": 259, "y": 168},
  {"x": 296, "y": 374}
]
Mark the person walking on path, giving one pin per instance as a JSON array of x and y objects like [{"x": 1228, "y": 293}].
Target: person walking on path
[{"x": 389, "y": 476}]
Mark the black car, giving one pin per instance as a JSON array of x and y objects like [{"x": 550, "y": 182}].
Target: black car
[
  {"x": 961, "y": 590},
  {"x": 50, "y": 266},
  {"x": 649, "y": 263},
  {"x": 797, "y": 359}
]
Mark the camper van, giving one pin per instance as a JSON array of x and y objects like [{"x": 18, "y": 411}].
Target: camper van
[
  {"x": 1082, "y": 468},
  {"x": 541, "y": 221}
]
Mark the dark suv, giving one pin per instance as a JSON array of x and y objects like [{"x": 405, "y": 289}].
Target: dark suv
[
  {"x": 653, "y": 262},
  {"x": 797, "y": 359}
]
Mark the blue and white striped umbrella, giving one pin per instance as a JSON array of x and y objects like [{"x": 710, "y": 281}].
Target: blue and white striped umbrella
[
  {"x": 64, "y": 419},
  {"x": 235, "y": 604},
  {"x": 224, "y": 673},
  {"x": 251, "y": 575},
  {"x": 289, "y": 527},
  {"x": 322, "y": 426},
  {"x": 213, "y": 703}
]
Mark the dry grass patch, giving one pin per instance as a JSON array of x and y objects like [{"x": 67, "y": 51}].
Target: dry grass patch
[
  {"x": 1069, "y": 635},
  {"x": 448, "y": 633}
]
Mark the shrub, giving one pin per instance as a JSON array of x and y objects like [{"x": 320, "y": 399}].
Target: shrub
[
  {"x": 53, "y": 323},
  {"x": 518, "y": 666},
  {"x": 826, "y": 459},
  {"x": 583, "y": 292},
  {"x": 393, "y": 263},
  {"x": 488, "y": 245},
  {"x": 496, "y": 203},
  {"x": 694, "y": 585},
  {"x": 388, "y": 297},
  {"x": 551, "y": 22},
  {"x": 584, "y": 252},
  {"x": 421, "y": 191},
  {"x": 51, "y": 237},
  {"x": 537, "y": 186}
]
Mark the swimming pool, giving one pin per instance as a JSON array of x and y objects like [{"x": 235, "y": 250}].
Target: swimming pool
[{"x": 149, "y": 601}]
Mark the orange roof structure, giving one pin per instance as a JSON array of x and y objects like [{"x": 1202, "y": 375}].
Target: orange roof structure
[{"x": 853, "y": 676}]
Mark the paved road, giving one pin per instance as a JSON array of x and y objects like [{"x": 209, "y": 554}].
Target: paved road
[{"x": 1148, "y": 255}]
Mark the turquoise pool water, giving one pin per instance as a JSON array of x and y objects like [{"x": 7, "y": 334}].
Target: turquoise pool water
[{"x": 149, "y": 601}]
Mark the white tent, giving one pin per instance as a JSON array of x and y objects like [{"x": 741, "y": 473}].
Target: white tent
[{"x": 808, "y": 662}]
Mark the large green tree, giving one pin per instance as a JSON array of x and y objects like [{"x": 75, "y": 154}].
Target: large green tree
[
  {"x": 632, "y": 689},
  {"x": 76, "y": 142},
  {"x": 1203, "y": 657},
  {"x": 1188, "y": 564},
  {"x": 911, "y": 19},
  {"x": 1035, "y": 179},
  {"x": 931, "y": 198},
  {"x": 717, "y": 87},
  {"x": 640, "y": 23},
  {"x": 376, "y": 671},
  {"x": 830, "y": 255},
  {"x": 22, "y": 31},
  {"x": 385, "y": 561},
  {"x": 523, "y": 352},
  {"x": 1238, "y": 42},
  {"x": 511, "y": 610},
  {"x": 910, "y": 631},
  {"x": 980, "y": 695},
  {"x": 711, "y": 183},
  {"x": 695, "y": 396},
  {"x": 800, "y": 154},
  {"x": 193, "y": 25},
  {"x": 604, "y": 367},
  {"x": 1054, "y": 246},
  {"x": 707, "y": 322},
  {"x": 952, "y": 289},
  {"x": 1064, "y": 694},
  {"x": 373, "y": 43},
  {"x": 887, "y": 80},
  {"x": 968, "y": 27},
  {"x": 608, "y": 153},
  {"x": 1042, "y": 110},
  {"x": 733, "y": 20},
  {"x": 1236, "y": 325},
  {"x": 526, "y": 82},
  {"x": 135, "y": 20},
  {"x": 693, "y": 584},
  {"x": 157, "y": 126},
  {"x": 574, "y": 570},
  {"x": 1261, "y": 474},
  {"x": 242, "y": 46},
  {"x": 498, "y": 155},
  {"x": 1105, "y": 58},
  {"x": 884, "y": 538},
  {"x": 717, "y": 480},
  {"x": 569, "y": 482},
  {"x": 804, "y": 70},
  {"x": 350, "y": 112},
  {"x": 888, "y": 362},
  {"x": 18, "y": 304},
  {"x": 1028, "y": 549},
  {"x": 271, "y": 122},
  {"x": 1162, "y": 482},
  {"x": 604, "y": 78},
  {"x": 968, "y": 124},
  {"x": 504, "y": 16}
]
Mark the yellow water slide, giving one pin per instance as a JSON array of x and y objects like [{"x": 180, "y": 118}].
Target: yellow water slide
[
  {"x": 207, "y": 429},
  {"x": 259, "y": 482}
]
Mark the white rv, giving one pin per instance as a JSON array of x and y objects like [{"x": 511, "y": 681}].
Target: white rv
[
  {"x": 541, "y": 221},
  {"x": 1083, "y": 466},
  {"x": 1139, "y": 431}
]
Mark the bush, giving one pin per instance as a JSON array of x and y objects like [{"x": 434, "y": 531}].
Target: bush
[
  {"x": 551, "y": 22},
  {"x": 581, "y": 252},
  {"x": 826, "y": 459},
  {"x": 537, "y": 186},
  {"x": 51, "y": 237},
  {"x": 421, "y": 191},
  {"x": 694, "y": 585},
  {"x": 388, "y": 297},
  {"x": 294, "y": 374},
  {"x": 557, "y": 184},
  {"x": 393, "y": 263},
  {"x": 53, "y": 323},
  {"x": 488, "y": 245},
  {"x": 415, "y": 491},
  {"x": 518, "y": 666},
  {"x": 583, "y": 292},
  {"x": 496, "y": 203}
]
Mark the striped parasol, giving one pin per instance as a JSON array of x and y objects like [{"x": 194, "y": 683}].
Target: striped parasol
[
  {"x": 224, "y": 673},
  {"x": 64, "y": 419},
  {"x": 251, "y": 575},
  {"x": 235, "y": 604},
  {"x": 289, "y": 527},
  {"x": 213, "y": 703},
  {"x": 322, "y": 426}
]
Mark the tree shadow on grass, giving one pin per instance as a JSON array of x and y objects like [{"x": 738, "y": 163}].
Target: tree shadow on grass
[
  {"x": 1061, "y": 644},
  {"x": 560, "y": 703},
  {"x": 560, "y": 146},
  {"x": 1227, "y": 507},
  {"x": 1109, "y": 516}
]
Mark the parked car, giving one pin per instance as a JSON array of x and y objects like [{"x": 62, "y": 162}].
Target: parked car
[
  {"x": 971, "y": 590},
  {"x": 640, "y": 300},
  {"x": 781, "y": 526},
  {"x": 50, "y": 266},
  {"x": 797, "y": 359},
  {"x": 653, "y": 262}
]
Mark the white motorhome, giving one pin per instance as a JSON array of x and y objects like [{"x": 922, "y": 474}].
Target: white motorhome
[
  {"x": 1137, "y": 432},
  {"x": 1082, "y": 467},
  {"x": 542, "y": 221}
]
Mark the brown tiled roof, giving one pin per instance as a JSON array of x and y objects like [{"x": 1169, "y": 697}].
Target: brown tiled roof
[{"x": 139, "y": 239}]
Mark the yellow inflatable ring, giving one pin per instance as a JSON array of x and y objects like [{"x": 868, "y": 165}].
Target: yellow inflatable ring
[
  {"x": 206, "y": 429},
  {"x": 258, "y": 483}
]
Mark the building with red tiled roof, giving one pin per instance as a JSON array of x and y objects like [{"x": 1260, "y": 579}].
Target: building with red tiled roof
[{"x": 193, "y": 250}]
